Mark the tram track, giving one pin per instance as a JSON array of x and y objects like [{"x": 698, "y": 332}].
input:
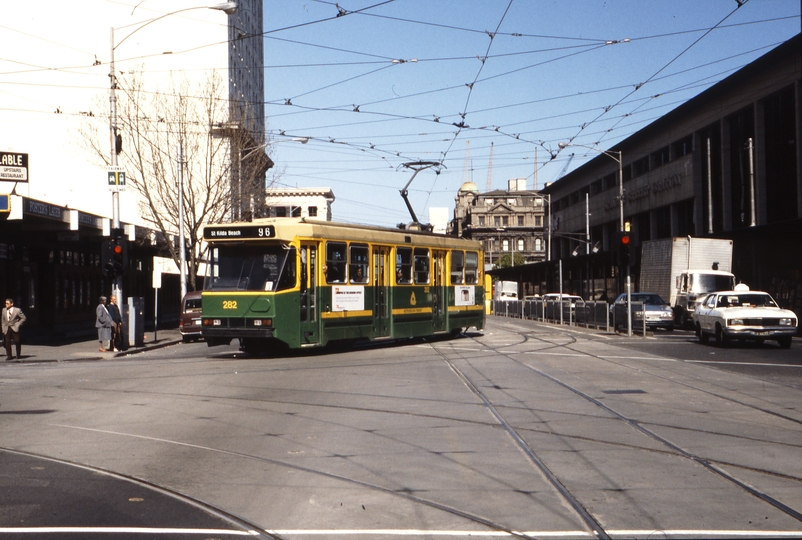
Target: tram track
[
  {"x": 711, "y": 465},
  {"x": 452, "y": 352}
]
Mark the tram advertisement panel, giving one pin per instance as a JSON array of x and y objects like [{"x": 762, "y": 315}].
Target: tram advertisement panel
[{"x": 350, "y": 298}]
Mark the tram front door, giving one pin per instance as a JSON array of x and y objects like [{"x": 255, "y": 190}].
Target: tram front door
[
  {"x": 310, "y": 326},
  {"x": 440, "y": 293},
  {"x": 381, "y": 291}
]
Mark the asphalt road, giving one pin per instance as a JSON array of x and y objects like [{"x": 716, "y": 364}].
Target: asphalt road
[{"x": 525, "y": 430}]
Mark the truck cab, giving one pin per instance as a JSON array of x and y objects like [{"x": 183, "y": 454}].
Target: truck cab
[{"x": 694, "y": 284}]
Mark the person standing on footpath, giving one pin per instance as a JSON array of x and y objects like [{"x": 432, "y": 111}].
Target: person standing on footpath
[
  {"x": 117, "y": 329},
  {"x": 104, "y": 324},
  {"x": 13, "y": 317}
]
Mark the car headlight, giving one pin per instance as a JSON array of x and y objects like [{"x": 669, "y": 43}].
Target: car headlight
[
  {"x": 789, "y": 321},
  {"x": 735, "y": 322}
]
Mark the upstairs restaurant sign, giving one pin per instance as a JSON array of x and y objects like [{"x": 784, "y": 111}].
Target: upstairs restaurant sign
[{"x": 13, "y": 167}]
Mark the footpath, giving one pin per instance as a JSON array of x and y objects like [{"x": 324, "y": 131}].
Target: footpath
[{"x": 88, "y": 349}]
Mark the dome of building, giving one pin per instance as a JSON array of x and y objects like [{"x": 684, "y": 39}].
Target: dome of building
[{"x": 469, "y": 186}]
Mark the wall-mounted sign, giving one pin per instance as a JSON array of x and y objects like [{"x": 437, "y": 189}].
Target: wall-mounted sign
[{"x": 13, "y": 167}]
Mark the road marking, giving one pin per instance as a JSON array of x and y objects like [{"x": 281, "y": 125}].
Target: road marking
[
  {"x": 123, "y": 530},
  {"x": 679, "y": 533}
]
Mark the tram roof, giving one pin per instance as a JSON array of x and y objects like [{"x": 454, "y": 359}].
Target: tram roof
[{"x": 289, "y": 228}]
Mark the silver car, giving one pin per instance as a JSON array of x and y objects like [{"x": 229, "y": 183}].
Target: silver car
[{"x": 658, "y": 312}]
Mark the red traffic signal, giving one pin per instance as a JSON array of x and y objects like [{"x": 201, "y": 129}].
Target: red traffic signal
[{"x": 625, "y": 239}]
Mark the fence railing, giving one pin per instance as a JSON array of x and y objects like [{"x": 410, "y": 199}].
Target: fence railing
[{"x": 591, "y": 314}]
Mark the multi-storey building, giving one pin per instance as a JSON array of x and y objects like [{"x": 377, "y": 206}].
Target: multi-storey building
[
  {"x": 725, "y": 164},
  {"x": 314, "y": 203},
  {"x": 506, "y": 222},
  {"x": 55, "y": 204}
]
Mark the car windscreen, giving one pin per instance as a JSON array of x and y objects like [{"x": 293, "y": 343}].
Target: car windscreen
[
  {"x": 709, "y": 282},
  {"x": 269, "y": 267}
]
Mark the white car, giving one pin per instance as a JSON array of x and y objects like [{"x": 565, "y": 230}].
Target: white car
[{"x": 742, "y": 315}]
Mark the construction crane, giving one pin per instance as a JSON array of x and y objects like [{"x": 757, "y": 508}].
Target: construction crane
[{"x": 565, "y": 167}]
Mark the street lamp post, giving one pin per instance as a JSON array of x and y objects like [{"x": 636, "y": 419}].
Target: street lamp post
[
  {"x": 620, "y": 160},
  {"x": 227, "y": 7}
]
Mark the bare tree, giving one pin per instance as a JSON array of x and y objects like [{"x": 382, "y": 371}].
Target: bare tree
[{"x": 154, "y": 125}]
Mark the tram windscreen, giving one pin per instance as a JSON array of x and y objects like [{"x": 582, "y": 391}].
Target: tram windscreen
[{"x": 251, "y": 268}]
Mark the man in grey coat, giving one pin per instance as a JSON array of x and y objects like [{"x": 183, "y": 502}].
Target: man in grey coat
[
  {"x": 104, "y": 324},
  {"x": 13, "y": 317}
]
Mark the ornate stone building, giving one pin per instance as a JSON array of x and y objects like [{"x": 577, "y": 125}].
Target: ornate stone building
[{"x": 506, "y": 222}]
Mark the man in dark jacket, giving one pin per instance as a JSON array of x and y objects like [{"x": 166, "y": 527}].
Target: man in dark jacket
[{"x": 117, "y": 329}]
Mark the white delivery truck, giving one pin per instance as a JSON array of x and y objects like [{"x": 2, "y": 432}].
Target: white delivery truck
[
  {"x": 505, "y": 290},
  {"x": 683, "y": 269}
]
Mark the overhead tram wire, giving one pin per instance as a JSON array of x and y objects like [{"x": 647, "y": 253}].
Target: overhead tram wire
[{"x": 640, "y": 85}]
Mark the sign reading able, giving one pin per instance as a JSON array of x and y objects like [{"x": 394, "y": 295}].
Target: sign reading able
[
  {"x": 13, "y": 167},
  {"x": 228, "y": 232}
]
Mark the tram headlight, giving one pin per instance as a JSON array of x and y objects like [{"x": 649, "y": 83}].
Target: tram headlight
[
  {"x": 263, "y": 322},
  {"x": 212, "y": 322}
]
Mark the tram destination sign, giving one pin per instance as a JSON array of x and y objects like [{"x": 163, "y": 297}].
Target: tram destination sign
[
  {"x": 243, "y": 232},
  {"x": 13, "y": 167}
]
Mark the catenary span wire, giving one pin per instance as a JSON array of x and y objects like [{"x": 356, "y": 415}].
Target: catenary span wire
[{"x": 660, "y": 70}]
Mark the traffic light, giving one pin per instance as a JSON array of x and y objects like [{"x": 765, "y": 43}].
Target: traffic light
[
  {"x": 120, "y": 256},
  {"x": 624, "y": 249},
  {"x": 114, "y": 257}
]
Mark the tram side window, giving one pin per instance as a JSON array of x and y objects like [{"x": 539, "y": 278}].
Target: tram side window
[
  {"x": 471, "y": 267},
  {"x": 457, "y": 267},
  {"x": 335, "y": 262},
  {"x": 403, "y": 265},
  {"x": 421, "y": 265},
  {"x": 359, "y": 263}
]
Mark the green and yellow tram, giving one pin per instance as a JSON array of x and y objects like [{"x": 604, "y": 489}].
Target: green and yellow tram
[{"x": 287, "y": 282}]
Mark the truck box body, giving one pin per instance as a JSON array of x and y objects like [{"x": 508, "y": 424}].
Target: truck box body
[
  {"x": 665, "y": 259},
  {"x": 683, "y": 269},
  {"x": 506, "y": 290}
]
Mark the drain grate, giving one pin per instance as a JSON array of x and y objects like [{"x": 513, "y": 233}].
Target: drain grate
[{"x": 618, "y": 392}]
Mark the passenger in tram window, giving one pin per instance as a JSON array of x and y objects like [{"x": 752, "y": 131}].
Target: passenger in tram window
[{"x": 358, "y": 274}]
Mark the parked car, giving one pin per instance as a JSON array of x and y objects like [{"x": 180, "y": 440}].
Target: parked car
[
  {"x": 190, "y": 323},
  {"x": 744, "y": 315},
  {"x": 658, "y": 312},
  {"x": 555, "y": 297}
]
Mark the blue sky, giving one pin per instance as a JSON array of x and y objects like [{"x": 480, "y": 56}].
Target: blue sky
[{"x": 516, "y": 76}]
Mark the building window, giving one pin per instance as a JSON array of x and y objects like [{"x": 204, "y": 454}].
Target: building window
[
  {"x": 506, "y": 221},
  {"x": 497, "y": 221},
  {"x": 505, "y": 245},
  {"x": 520, "y": 244},
  {"x": 312, "y": 211},
  {"x": 538, "y": 244},
  {"x": 481, "y": 221},
  {"x": 281, "y": 211},
  {"x": 520, "y": 221},
  {"x": 538, "y": 221}
]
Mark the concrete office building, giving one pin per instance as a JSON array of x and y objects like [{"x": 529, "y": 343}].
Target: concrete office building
[
  {"x": 55, "y": 203},
  {"x": 725, "y": 164}
]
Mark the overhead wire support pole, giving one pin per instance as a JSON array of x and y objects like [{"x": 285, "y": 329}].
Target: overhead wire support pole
[{"x": 416, "y": 166}]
